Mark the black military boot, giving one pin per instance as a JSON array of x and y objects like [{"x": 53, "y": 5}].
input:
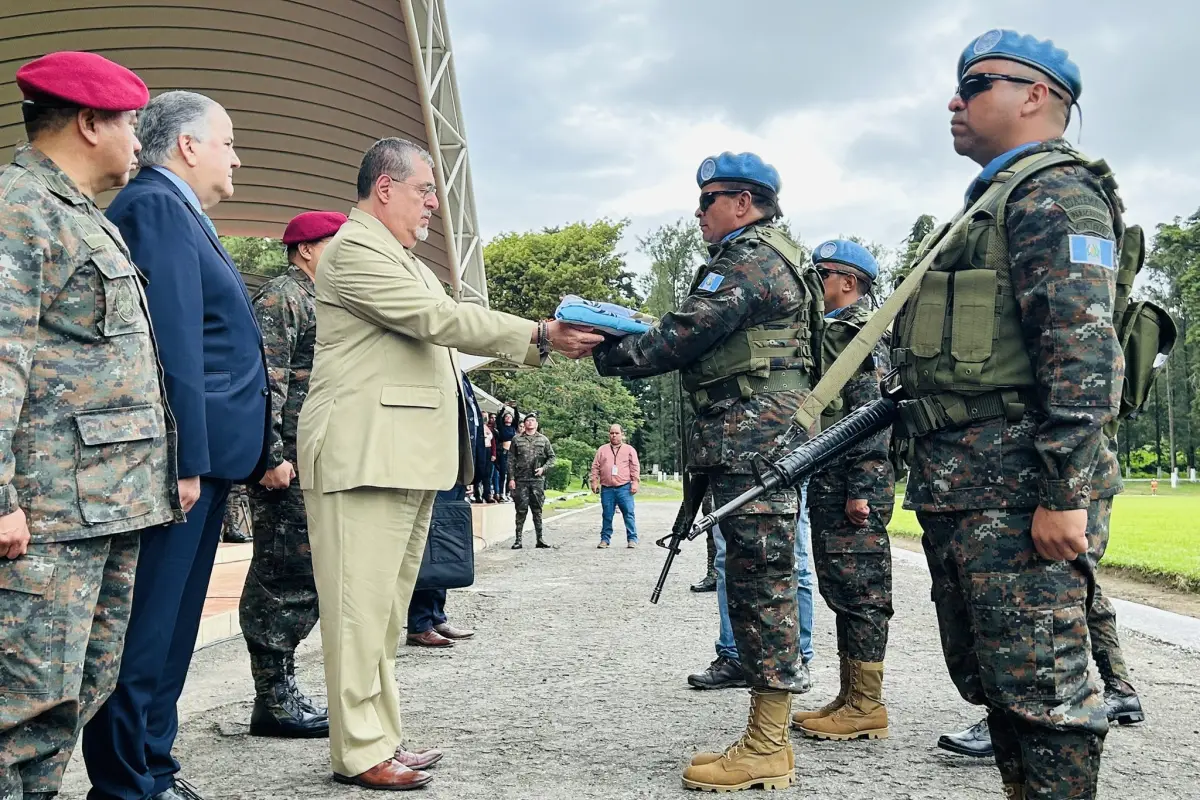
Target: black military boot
[
  {"x": 709, "y": 582},
  {"x": 302, "y": 700},
  {"x": 541, "y": 543},
  {"x": 722, "y": 673},
  {"x": 975, "y": 741},
  {"x": 517, "y": 544},
  {"x": 279, "y": 714},
  {"x": 1120, "y": 698}
]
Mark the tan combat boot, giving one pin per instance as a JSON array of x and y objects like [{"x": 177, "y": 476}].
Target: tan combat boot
[
  {"x": 834, "y": 704},
  {"x": 763, "y": 757},
  {"x": 1014, "y": 791},
  {"x": 708, "y": 758},
  {"x": 863, "y": 716}
]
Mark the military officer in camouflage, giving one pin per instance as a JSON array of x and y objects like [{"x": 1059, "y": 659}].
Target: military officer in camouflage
[
  {"x": 850, "y": 505},
  {"x": 746, "y": 341},
  {"x": 532, "y": 454},
  {"x": 1010, "y": 355},
  {"x": 278, "y": 607},
  {"x": 86, "y": 442}
]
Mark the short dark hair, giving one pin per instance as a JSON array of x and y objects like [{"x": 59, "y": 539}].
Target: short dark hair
[
  {"x": 293, "y": 250},
  {"x": 760, "y": 197},
  {"x": 42, "y": 119},
  {"x": 390, "y": 156}
]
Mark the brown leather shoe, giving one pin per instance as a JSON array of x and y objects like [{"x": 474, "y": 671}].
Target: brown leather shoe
[
  {"x": 390, "y": 776},
  {"x": 424, "y": 758},
  {"x": 451, "y": 632},
  {"x": 429, "y": 638}
]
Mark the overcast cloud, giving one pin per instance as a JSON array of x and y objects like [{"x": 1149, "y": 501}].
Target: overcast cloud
[{"x": 576, "y": 110}]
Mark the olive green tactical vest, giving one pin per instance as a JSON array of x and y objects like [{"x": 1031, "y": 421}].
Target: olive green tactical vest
[
  {"x": 960, "y": 350},
  {"x": 779, "y": 355}
]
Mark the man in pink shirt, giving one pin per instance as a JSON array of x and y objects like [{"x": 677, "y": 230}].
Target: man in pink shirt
[{"x": 616, "y": 473}]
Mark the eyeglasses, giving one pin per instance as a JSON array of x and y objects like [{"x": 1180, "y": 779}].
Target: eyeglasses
[
  {"x": 825, "y": 272},
  {"x": 980, "y": 82},
  {"x": 426, "y": 190},
  {"x": 708, "y": 198}
]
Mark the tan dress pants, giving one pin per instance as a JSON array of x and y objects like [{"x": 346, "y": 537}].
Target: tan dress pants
[{"x": 367, "y": 546}]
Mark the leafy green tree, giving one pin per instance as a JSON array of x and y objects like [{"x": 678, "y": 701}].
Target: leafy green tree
[
  {"x": 256, "y": 255},
  {"x": 529, "y": 273}
]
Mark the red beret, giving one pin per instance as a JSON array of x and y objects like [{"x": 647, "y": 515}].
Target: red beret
[
  {"x": 312, "y": 226},
  {"x": 86, "y": 80}
]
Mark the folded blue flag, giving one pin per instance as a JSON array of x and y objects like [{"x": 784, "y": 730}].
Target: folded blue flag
[{"x": 607, "y": 317}]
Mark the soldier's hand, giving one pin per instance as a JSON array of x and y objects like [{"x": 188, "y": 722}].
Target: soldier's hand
[
  {"x": 1060, "y": 535},
  {"x": 512, "y": 486},
  {"x": 280, "y": 477},
  {"x": 857, "y": 512},
  {"x": 571, "y": 341},
  {"x": 539, "y": 471},
  {"x": 14, "y": 535},
  {"x": 189, "y": 492}
]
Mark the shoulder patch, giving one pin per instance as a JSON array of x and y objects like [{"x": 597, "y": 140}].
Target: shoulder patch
[
  {"x": 711, "y": 282},
  {"x": 1092, "y": 250}
]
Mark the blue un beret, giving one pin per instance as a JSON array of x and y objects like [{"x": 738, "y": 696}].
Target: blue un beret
[
  {"x": 743, "y": 167},
  {"x": 1012, "y": 46},
  {"x": 852, "y": 254}
]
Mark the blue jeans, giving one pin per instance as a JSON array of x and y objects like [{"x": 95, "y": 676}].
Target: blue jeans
[
  {"x": 610, "y": 498},
  {"x": 804, "y": 593}
]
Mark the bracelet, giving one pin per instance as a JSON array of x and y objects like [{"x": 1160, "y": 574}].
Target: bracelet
[{"x": 543, "y": 339}]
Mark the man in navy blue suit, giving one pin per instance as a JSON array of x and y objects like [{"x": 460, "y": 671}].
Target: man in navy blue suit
[{"x": 211, "y": 352}]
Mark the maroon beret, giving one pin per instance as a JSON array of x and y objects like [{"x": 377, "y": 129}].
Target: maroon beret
[
  {"x": 312, "y": 226},
  {"x": 86, "y": 80}
]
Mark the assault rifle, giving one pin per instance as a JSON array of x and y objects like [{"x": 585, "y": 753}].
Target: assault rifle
[{"x": 826, "y": 448}]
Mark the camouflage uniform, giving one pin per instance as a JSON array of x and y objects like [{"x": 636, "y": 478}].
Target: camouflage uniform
[
  {"x": 1014, "y": 627},
  {"x": 1102, "y": 617},
  {"x": 278, "y": 608},
  {"x": 86, "y": 450},
  {"x": 854, "y": 564},
  {"x": 529, "y": 453},
  {"x": 755, "y": 287}
]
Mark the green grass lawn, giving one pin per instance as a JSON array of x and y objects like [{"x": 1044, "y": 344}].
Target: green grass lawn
[
  {"x": 649, "y": 490},
  {"x": 1155, "y": 537}
]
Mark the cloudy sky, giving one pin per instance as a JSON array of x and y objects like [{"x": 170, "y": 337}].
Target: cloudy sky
[{"x": 576, "y": 110}]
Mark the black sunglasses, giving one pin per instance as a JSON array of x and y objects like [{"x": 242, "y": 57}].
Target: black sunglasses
[
  {"x": 708, "y": 198},
  {"x": 980, "y": 82},
  {"x": 825, "y": 272}
]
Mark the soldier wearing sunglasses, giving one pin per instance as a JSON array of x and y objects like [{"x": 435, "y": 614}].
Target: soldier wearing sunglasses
[
  {"x": 1009, "y": 353},
  {"x": 746, "y": 341}
]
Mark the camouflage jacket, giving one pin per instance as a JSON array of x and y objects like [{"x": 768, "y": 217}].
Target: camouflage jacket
[
  {"x": 528, "y": 454},
  {"x": 867, "y": 474},
  {"x": 87, "y": 445},
  {"x": 286, "y": 311},
  {"x": 757, "y": 287},
  {"x": 1050, "y": 456}
]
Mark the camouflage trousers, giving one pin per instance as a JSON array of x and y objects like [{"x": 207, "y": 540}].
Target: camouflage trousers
[
  {"x": 1102, "y": 619},
  {"x": 278, "y": 608},
  {"x": 854, "y": 574},
  {"x": 760, "y": 583},
  {"x": 529, "y": 496},
  {"x": 1015, "y": 637},
  {"x": 65, "y": 607}
]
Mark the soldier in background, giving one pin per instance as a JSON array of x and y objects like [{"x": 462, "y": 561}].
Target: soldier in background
[
  {"x": 85, "y": 455},
  {"x": 850, "y": 505},
  {"x": 532, "y": 454},
  {"x": 278, "y": 608}
]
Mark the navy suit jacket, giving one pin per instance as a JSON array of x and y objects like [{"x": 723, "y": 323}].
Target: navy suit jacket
[{"x": 208, "y": 337}]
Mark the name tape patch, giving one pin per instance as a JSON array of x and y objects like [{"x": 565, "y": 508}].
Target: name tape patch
[{"x": 1092, "y": 250}]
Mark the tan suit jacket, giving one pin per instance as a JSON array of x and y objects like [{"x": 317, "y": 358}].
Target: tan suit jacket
[{"x": 384, "y": 405}]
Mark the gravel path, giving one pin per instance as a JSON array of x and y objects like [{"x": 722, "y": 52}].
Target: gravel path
[{"x": 574, "y": 688}]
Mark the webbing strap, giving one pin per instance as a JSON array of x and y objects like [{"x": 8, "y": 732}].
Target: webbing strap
[
  {"x": 950, "y": 410},
  {"x": 847, "y": 364},
  {"x": 744, "y": 387}
]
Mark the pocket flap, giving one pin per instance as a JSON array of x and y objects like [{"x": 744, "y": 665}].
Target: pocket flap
[
  {"x": 27, "y": 575},
  {"x": 111, "y": 263},
  {"x": 1008, "y": 590},
  {"x": 418, "y": 396},
  {"x": 112, "y": 425},
  {"x": 865, "y": 542}
]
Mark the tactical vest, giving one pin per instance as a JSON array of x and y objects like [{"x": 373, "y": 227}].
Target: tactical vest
[
  {"x": 956, "y": 367},
  {"x": 839, "y": 331},
  {"x": 779, "y": 355}
]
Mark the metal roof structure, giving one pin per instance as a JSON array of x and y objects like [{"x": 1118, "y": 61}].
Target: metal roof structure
[{"x": 309, "y": 84}]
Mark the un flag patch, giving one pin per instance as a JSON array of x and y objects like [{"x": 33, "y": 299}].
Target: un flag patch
[
  {"x": 711, "y": 282},
  {"x": 1092, "y": 250}
]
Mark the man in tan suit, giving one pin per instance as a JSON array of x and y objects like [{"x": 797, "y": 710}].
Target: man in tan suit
[{"x": 382, "y": 430}]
